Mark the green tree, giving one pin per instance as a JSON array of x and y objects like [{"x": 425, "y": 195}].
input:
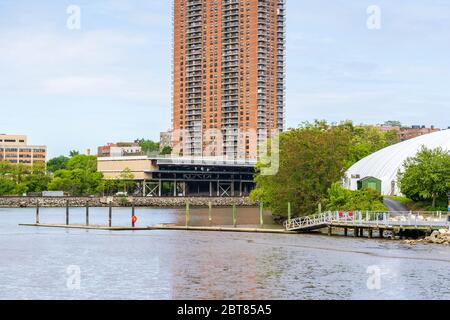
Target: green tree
[
  {"x": 84, "y": 162},
  {"x": 166, "y": 150},
  {"x": 77, "y": 182},
  {"x": 342, "y": 199},
  {"x": 57, "y": 163},
  {"x": 126, "y": 180},
  {"x": 367, "y": 140},
  {"x": 38, "y": 179},
  {"x": 148, "y": 146},
  {"x": 7, "y": 187},
  {"x": 312, "y": 158},
  {"x": 426, "y": 176}
]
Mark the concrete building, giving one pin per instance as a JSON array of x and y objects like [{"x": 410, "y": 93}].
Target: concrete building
[
  {"x": 120, "y": 149},
  {"x": 183, "y": 177},
  {"x": 229, "y": 76},
  {"x": 15, "y": 149}
]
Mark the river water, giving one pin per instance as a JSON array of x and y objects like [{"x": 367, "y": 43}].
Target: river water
[{"x": 41, "y": 263}]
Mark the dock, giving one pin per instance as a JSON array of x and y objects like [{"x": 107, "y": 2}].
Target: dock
[
  {"x": 168, "y": 227},
  {"x": 361, "y": 223}
]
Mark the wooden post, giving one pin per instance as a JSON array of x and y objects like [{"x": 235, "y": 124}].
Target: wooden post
[
  {"x": 355, "y": 232},
  {"x": 187, "y": 214},
  {"x": 289, "y": 212},
  {"x": 330, "y": 231},
  {"x": 133, "y": 224},
  {"x": 234, "y": 216},
  {"x": 261, "y": 214},
  {"x": 345, "y": 231},
  {"x": 67, "y": 212},
  {"x": 37, "y": 212},
  {"x": 87, "y": 213},
  {"x": 381, "y": 233},
  {"x": 210, "y": 212},
  {"x": 361, "y": 232},
  {"x": 370, "y": 233},
  {"x": 110, "y": 215}
]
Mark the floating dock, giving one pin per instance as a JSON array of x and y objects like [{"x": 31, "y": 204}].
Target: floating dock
[{"x": 167, "y": 227}]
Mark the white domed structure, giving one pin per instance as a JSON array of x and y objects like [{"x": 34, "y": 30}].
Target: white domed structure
[{"x": 385, "y": 164}]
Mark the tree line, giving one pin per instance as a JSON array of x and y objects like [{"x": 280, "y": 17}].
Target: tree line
[{"x": 314, "y": 157}]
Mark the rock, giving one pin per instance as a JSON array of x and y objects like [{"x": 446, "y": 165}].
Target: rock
[{"x": 21, "y": 202}]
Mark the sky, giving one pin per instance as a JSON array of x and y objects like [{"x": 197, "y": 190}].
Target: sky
[{"x": 110, "y": 80}]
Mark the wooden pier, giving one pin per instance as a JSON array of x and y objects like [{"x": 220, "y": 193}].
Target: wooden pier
[
  {"x": 403, "y": 224},
  {"x": 168, "y": 227},
  {"x": 361, "y": 224}
]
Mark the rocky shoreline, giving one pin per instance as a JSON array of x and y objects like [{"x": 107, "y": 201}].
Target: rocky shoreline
[
  {"x": 52, "y": 202},
  {"x": 437, "y": 237}
]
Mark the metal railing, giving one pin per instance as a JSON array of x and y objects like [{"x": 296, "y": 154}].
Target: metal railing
[{"x": 368, "y": 218}]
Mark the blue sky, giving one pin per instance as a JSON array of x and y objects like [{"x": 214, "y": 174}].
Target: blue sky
[{"x": 111, "y": 80}]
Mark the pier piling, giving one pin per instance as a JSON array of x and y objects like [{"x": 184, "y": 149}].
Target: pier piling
[
  {"x": 37, "y": 212},
  {"x": 289, "y": 212},
  {"x": 110, "y": 215},
  {"x": 261, "y": 214},
  {"x": 187, "y": 214},
  {"x": 67, "y": 213},
  {"x": 234, "y": 216},
  {"x": 87, "y": 213},
  {"x": 210, "y": 212}
]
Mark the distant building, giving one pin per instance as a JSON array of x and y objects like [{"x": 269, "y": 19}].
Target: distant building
[
  {"x": 165, "y": 140},
  {"x": 120, "y": 149},
  {"x": 415, "y": 131},
  {"x": 15, "y": 149},
  {"x": 407, "y": 133}
]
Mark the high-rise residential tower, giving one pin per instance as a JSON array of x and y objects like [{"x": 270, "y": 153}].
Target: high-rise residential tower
[{"x": 228, "y": 73}]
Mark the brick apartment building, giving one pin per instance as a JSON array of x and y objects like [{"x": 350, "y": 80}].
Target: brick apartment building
[{"x": 229, "y": 76}]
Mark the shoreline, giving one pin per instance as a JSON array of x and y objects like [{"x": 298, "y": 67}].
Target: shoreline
[{"x": 100, "y": 202}]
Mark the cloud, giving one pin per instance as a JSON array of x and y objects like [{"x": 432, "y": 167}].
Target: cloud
[{"x": 90, "y": 63}]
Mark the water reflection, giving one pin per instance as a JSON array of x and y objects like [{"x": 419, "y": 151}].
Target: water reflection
[{"x": 199, "y": 265}]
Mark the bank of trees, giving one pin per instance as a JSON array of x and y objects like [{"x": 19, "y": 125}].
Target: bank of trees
[
  {"x": 76, "y": 175},
  {"x": 17, "y": 179},
  {"x": 426, "y": 177},
  {"x": 311, "y": 159}
]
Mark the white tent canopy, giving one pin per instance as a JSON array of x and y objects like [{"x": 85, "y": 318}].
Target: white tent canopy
[{"x": 386, "y": 163}]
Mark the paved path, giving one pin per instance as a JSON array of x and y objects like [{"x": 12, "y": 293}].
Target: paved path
[{"x": 395, "y": 206}]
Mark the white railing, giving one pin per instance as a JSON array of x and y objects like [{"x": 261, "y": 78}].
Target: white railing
[{"x": 359, "y": 218}]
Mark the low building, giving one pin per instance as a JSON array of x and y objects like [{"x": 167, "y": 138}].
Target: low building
[
  {"x": 15, "y": 149},
  {"x": 183, "y": 177},
  {"x": 386, "y": 163},
  {"x": 120, "y": 149},
  {"x": 370, "y": 183}
]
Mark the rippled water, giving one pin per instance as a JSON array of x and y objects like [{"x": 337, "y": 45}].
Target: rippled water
[{"x": 206, "y": 265}]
